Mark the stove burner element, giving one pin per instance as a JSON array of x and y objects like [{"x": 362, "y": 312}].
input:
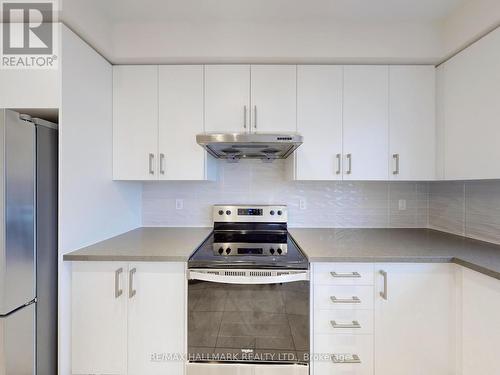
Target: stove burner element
[{"x": 249, "y": 237}]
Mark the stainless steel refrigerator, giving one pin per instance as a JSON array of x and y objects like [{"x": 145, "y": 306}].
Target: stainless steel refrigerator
[{"x": 28, "y": 245}]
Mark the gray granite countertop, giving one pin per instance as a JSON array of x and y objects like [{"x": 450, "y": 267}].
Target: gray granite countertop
[
  {"x": 397, "y": 245},
  {"x": 145, "y": 244},
  {"x": 319, "y": 244}
]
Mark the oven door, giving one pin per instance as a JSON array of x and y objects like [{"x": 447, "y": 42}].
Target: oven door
[{"x": 248, "y": 316}]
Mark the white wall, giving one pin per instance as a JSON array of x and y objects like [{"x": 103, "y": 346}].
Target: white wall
[
  {"x": 276, "y": 42},
  {"x": 30, "y": 88},
  {"x": 92, "y": 207}
]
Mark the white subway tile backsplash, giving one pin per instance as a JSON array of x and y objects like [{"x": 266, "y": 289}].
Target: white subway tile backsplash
[
  {"x": 328, "y": 204},
  {"x": 465, "y": 208},
  {"x": 469, "y": 208}
]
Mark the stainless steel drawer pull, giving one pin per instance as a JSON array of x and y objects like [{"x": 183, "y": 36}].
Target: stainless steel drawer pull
[
  {"x": 151, "y": 162},
  {"x": 162, "y": 163},
  {"x": 354, "y": 324},
  {"x": 255, "y": 116},
  {"x": 346, "y": 358},
  {"x": 396, "y": 159},
  {"x": 245, "y": 116},
  {"x": 383, "y": 294},
  {"x": 131, "y": 291},
  {"x": 346, "y": 275},
  {"x": 354, "y": 299},
  {"x": 339, "y": 164},
  {"x": 349, "y": 164},
  {"x": 118, "y": 290}
]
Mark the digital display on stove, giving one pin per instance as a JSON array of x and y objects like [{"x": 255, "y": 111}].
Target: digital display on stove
[
  {"x": 249, "y": 251},
  {"x": 250, "y": 211}
]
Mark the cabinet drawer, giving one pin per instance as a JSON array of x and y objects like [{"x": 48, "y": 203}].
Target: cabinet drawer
[
  {"x": 343, "y": 274},
  {"x": 341, "y": 322},
  {"x": 343, "y": 297},
  {"x": 345, "y": 349}
]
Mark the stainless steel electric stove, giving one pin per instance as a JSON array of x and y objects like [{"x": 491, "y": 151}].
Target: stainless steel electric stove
[{"x": 248, "y": 293}]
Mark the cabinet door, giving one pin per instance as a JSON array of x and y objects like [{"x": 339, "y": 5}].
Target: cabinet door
[
  {"x": 274, "y": 98},
  {"x": 180, "y": 119},
  {"x": 135, "y": 122},
  {"x": 366, "y": 101},
  {"x": 480, "y": 323},
  {"x": 412, "y": 118},
  {"x": 99, "y": 318},
  {"x": 319, "y": 120},
  {"x": 472, "y": 113},
  {"x": 156, "y": 318},
  {"x": 414, "y": 326},
  {"x": 227, "y": 98}
]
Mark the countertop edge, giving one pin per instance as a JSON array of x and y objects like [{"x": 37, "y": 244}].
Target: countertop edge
[{"x": 125, "y": 258}]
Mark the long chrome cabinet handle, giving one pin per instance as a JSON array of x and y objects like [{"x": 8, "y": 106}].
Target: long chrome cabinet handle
[
  {"x": 348, "y": 275},
  {"x": 383, "y": 294},
  {"x": 354, "y": 324},
  {"x": 131, "y": 291},
  {"x": 339, "y": 164},
  {"x": 151, "y": 163},
  {"x": 354, "y": 299},
  {"x": 245, "y": 116},
  {"x": 162, "y": 163},
  {"x": 349, "y": 163},
  {"x": 396, "y": 159},
  {"x": 255, "y": 117},
  {"x": 118, "y": 290},
  {"x": 346, "y": 358}
]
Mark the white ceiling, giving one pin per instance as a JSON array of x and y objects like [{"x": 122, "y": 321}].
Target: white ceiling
[{"x": 277, "y": 10}]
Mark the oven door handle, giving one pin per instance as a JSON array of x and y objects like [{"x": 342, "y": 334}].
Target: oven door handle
[{"x": 248, "y": 276}]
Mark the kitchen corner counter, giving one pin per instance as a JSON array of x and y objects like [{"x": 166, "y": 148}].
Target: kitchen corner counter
[
  {"x": 397, "y": 245},
  {"x": 147, "y": 244}
]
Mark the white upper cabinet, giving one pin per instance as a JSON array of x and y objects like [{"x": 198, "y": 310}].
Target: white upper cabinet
[
  {"x": 274, "y": 98},
  {"x": 412, "y": 130},
  {"x": 180, "y": 119},
  {"x": 135, "y": 122},
  {"x": 472, "y": 111},
  {"x": 415, "y": 319},
  {"x": 366, "y": 125},
  {"x": 319, "y": 120},
  {"x": 227, "y": 98}
]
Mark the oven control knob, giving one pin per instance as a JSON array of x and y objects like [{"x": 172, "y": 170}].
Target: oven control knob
[
  {"x": 279, "y": 251},
  {"x": 221, "y": 212},
  {"x": 228, "y": 250},
  {"x": 228, "y": 212},
  {"x": 280, "y": 212},
  {"x": 272, "y": 213},
  {"x": 271, "y": 251},
  {"x": 221, "y": 250}
]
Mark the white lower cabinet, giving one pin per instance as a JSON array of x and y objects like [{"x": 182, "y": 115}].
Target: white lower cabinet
[
  {"x": 480, "y": 329},
  {"x": 99, "y": 318},
  {"x": 128, "y": 318},
  {"x": 401, "y": 321},
  {"x": 156, "y": 316}
]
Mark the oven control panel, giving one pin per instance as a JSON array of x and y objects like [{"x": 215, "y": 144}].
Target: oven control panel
[
  {"x": 250, "y": 214},
  {"x": 242, "y": 249}
]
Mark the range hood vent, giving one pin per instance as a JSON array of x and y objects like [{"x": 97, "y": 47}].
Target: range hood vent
[{"x": 239, "y": 146}]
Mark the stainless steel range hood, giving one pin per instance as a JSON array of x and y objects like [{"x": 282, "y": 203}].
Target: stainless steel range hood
[{"x": 238, "y": 146}]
